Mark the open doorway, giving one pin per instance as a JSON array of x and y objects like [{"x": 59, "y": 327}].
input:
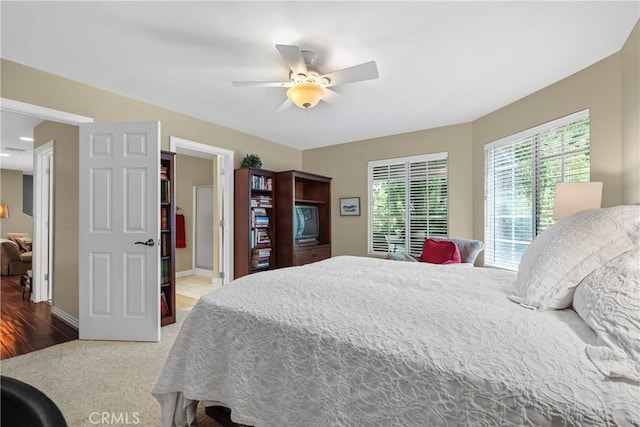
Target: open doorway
[
  {"x": 42, "y": 158},
  {"x": 204, "y": 183},
  {"x": 16, "y": 193},
  {"x": 36, "y": 322}
]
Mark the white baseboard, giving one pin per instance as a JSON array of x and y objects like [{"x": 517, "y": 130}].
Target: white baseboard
[
  {"x": 200, "y": 272},
  {"x": 184, "y": 273},
  {"x": 66, "y": 318}
]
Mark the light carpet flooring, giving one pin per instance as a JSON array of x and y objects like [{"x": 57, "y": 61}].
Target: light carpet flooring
[{"x": 87, "y": 377}]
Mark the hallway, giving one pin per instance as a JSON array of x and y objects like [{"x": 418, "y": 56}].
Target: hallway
[
  {"x": 190, "y": 288},
  {"x": 27, "y": 326}
]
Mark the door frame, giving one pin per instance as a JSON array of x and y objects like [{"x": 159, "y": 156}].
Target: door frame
[
  {"x": 198, "y": 149},
  {"x": 39, "y": 287},
  {"x": 43, "y": 212}
]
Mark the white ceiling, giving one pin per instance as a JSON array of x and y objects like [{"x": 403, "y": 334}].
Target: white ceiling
[
  {"x": 440, "y": 63},
  {"x": 19, "y": 153}
]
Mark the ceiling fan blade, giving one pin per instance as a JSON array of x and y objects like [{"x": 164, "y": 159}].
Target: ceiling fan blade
[
  {"x": 285, "y": 105},
  {"x": 262, "y": 84},
  {"x": 331, "y": 96},
  {"x": 357, "y": 73},
  {"x": 293, "y": 57}
]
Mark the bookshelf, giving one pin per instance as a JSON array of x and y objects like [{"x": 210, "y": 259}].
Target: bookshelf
[
  {"x": 254, "y": 221},
  {"x": 167, "y": 239},
  {"x": 302, "y": 188}
]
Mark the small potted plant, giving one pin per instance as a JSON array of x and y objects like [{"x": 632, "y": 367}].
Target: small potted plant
[{"x": 251, "y": 161}]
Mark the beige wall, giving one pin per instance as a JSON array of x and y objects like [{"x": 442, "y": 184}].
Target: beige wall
[
  {"x": 193, "y": 171},
  {"x": 609, "y": 89},
  {"x": 597, "y": 88},
  {"x": 347, "y": 164},
  {"x": 65, "y": 208},
  {"x": 631, "y": 118},
  {"x": 32, "y": 86},
  {"x": 11, "y": 195}
]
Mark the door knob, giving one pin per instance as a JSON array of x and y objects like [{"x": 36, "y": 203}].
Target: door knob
[{"x": 149, "y": 242}]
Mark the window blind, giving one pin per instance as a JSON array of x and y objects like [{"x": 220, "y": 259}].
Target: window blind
[
  {"x": 521, "y": 172},
  {"x": 407, "y": 202}
]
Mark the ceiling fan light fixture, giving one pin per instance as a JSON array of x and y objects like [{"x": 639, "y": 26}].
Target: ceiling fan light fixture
[
  {"x": 305, "y": 95},
  {"x": 307, "y": 85}
]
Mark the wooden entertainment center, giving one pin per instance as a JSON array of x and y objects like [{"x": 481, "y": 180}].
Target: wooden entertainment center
[
  {"x": 287, "y": 189},
  {"x": 302, "y": 188}
]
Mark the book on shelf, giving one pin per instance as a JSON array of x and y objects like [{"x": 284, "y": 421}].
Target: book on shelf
[
  {"x": 261, "y": 201},
  {"x": 164, "y": 218},
  {"x": 260, "y": 260},
  {"x": 164, "y": 246},
  {"x": 259, "y": 217},
  {"x": 259, "y": 211},
  {"x": 259, "y": 182},
  {"x": 260, "y": 237},
  {"x": 163, "y": 172},
  {"x": 262, "y": 252},
  {"x": 164, "y": 306},
  {"x": 165, "y": 270},
  {"x": 261, "y": 222},
  {"x": 165, "y": 193}
]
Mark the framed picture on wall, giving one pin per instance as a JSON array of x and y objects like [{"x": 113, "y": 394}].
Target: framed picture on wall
[{"x": 350, "y": 206}]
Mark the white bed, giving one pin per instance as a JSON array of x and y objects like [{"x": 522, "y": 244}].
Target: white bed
[{"x": 355, "y": 341}]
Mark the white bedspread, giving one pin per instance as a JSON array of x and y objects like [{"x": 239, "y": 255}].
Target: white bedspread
[{"x": 355, "y": 341}]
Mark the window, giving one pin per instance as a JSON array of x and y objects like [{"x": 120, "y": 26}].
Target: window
[
  {"x": 521, "y": 174},
  {"x": 407, "y": 202}
]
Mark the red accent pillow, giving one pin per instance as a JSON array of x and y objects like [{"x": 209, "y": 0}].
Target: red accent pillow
[{"x": 440, "y": 252}]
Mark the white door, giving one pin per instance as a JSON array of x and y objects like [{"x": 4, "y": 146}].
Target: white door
[
  {"x": 203, "y": 235},
  {"x": 119, "y": 230}
]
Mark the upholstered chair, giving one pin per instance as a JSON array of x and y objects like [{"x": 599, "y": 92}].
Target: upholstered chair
[{"x": 469, "y": 250}]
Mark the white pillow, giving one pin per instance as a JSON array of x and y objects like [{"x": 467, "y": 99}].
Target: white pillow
[
  {"x": 609, "y": 301},
  {"x": 560, "y": 257}
]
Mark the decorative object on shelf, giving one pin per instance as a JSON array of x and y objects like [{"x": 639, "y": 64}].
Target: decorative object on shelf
[
  {"x": 251, "y": 161},
  {"x": 350, "y": 206},
  {"x": 4, "y": 211},
  {"x": 572, "y": 197}
]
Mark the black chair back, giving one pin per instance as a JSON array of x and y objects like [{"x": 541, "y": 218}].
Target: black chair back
[{"x": 24, "y": 405}]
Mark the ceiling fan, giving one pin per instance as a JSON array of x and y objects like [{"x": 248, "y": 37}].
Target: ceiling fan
[{"x": 306, "y": 85}]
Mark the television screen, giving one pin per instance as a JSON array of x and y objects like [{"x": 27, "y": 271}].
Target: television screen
[{"x": 305, "y": 225}]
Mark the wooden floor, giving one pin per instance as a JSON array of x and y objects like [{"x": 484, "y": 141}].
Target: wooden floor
[{"x": 27, "y": 326}]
